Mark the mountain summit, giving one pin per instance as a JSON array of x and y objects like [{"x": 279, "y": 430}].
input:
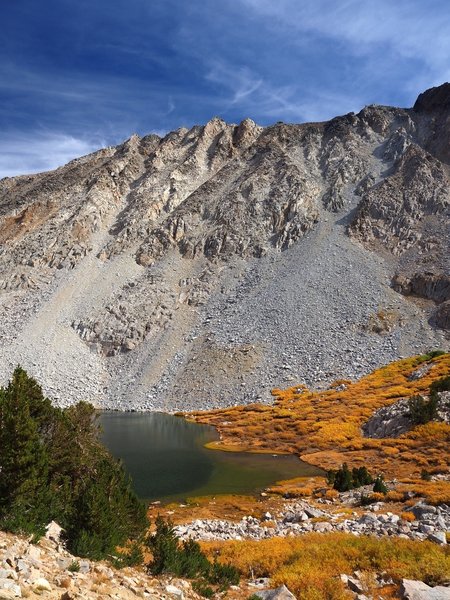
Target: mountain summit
[{"x": 205, "y": 267}]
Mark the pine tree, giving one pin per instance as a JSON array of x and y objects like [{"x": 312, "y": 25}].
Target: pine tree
[
  {"x": 343, "y": 480},
  {"x": 53, "y": 466},
  {"x": 379, "y": 485},
  {"x": 24, "y": 500}
]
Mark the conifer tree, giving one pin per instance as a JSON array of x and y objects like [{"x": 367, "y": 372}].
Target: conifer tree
[
  {"x": 53, "y": 466},
  {"x": 24, "y": 500}
]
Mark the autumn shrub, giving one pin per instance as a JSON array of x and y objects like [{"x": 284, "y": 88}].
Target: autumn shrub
[
  {"x": 394, "y": 496},
  {"x": 324, "y": 427},
  {"x": 310, "y": 565},
  {"x": 408, "y": 516}
]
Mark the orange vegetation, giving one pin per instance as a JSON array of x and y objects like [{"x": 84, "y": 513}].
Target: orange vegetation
[
  {"x": 229, "y": 507},
  {"x": 324, "y": 427},
  {"x": 310, "y": 565}
]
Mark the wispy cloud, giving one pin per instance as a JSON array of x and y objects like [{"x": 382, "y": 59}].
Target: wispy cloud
[
  {"x": 258, "y": 97},
  {"x": 408, "y": 29},
  {"x": 40, "y": 151},
  {"x": 74, "y": 74}
]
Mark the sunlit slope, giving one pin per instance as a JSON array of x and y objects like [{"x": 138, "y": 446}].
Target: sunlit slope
[{"x": 324, "y": 428}]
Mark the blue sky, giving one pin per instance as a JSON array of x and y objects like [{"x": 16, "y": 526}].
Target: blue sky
[{"x": 79, "y": 74}]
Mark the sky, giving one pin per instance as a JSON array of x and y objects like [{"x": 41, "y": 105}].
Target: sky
[{"x": 77, "y": 75}]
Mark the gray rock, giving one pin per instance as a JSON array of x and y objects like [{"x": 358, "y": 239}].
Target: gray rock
[
  {"x": 280, "y": 593},
  {"x": 230, "y": 245},
  {"x": 8, "y": 585},
  {"x": 175, "y": 592},
  {"x": 313, "y": 512},
  {"x": 355, "y": 585},
  {"x": 438, "y": 537},
  {"x": 323, "y": 526},
  {"x": 420, "y": 510},
  {"x": 417, "y": 590}
]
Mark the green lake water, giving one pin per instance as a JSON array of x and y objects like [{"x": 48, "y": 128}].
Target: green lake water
[{"x": 166, "y": 458}]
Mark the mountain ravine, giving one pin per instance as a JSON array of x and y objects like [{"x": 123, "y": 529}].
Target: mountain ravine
[{"x": 206, "y": 267}]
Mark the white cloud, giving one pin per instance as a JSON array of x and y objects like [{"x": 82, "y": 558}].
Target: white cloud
[
  {"x": 40, "y": 151},
  {"x": 258, "y": 97},
  {"x": 406, "y": 28}
]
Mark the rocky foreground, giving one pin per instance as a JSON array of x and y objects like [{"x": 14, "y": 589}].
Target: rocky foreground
[
  {"x": 428, "y": 523},
  {"x": 46, "y": 570},
  {"x": 200, "y": 269}
]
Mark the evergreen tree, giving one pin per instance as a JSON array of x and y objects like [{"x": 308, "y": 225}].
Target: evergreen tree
[
  {"x": 24, "y": 499},
  {"x": 53, "y": 466},
  {"x": 361, "y": 476},
  {"x": 343, "y": 479},
  {"x": 379, "y": 485},
  {"x": 422, "y": 411}
]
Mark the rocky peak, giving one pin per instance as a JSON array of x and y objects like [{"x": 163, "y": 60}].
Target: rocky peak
[
  {"x": 246, "y": 133},
  {"x": 125, "y": 266},
  {"x": 434, "y": 99}
]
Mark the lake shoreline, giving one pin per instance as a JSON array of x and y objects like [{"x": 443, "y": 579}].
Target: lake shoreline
[{"x": 169, "y": 457}]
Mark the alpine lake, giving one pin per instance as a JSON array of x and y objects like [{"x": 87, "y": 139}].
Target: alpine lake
[{"x": 167, "y": 461}]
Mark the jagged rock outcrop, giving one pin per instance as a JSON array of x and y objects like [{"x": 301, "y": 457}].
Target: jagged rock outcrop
[
  {"x": 394, "y": 420},
  {"x": 136, "y": 276}
]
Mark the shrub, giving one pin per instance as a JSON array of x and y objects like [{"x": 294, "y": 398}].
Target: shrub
[
  {"x": 186, "y": 559},
  {"x": 421, "y": 411},
  {"x": 379, "y": 487},
  {"x": 74, "y": 567},
  {"x": 441, "y": 385},
  {"x": 408, "y": 516}
]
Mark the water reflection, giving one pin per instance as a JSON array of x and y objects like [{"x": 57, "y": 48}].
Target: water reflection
[{"x": 166, "y": 458}]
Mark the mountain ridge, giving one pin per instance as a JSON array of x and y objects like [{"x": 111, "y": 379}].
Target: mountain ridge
[{"x": 202, "y": 268}]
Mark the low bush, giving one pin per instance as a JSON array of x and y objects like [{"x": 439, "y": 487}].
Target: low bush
[
  {"x": 441, "y": 385},
  {"x": 343, "y": 479},
  {"x": 379, "y": 487},
  {"x": 186, "y": 559},
  {"x": 310, "y": 565}
]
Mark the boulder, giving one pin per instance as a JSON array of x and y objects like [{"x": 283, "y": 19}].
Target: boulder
[
  {"x": 42, "y": 585},
  {"x": 417, "y": 590},
  {"x": 175, "y": 592},
  {"x": 53, "y": 532},
  {"x": 355, "y": 585},
  {"x": 280, "y": 593},
  {"x": 9, "y": 595},
  {"x": 9, "y": 589},
  {"x": 419, "y": 510},
  {"x": 313, "y": 512},
  {"x": 438, "y": 537}
]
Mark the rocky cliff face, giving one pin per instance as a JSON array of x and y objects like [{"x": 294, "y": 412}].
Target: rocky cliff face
[{"x": 203, "y": 268}]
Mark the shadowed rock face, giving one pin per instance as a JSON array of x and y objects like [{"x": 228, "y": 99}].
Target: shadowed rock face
[
  {"x": 434, "y": 99},
  {"x": 204, "y": 267}
]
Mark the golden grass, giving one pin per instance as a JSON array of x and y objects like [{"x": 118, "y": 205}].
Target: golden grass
[
  {"x": 324, "y": 428},
  {"x": 226, "y": 506},
  {"x": 310, "y": 565}
]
